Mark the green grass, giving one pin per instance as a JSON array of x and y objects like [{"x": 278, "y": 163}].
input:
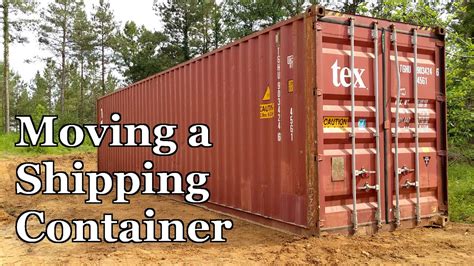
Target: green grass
[
  {"x": 461, "y": 192},
  {"x": 7, "y": 147}
]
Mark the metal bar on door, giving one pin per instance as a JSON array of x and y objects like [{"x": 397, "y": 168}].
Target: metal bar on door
[
  {"x": 417, "y": 144},
  {"x": 397, "y": 118},
  {"x": 386, "y": 138},
  {"x": 375, "y": 35},
  {"x": 353, "y": 133}
]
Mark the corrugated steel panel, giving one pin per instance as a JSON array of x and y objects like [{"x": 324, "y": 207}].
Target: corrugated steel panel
[{"x": 288, "y": 169}]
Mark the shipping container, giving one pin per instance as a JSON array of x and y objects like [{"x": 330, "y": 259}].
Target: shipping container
[{"x": 323, "y": 122}]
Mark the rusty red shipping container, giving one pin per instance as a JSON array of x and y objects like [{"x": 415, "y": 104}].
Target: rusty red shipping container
[{"x": 303, "y": 118}]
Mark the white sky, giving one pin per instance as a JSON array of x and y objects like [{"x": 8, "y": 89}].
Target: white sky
[{"x": 140, "y": 11}]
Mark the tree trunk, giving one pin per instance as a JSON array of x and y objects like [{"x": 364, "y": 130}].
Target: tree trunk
[
  {"x": 50, "y": 99},
  {"x": 81, "y": 105},
  {"x": 102, "y": 44},
  {"x": 186, "y": 52},
  {"x": 6, "y": 67},
  {"x": 63, "y": 66}
]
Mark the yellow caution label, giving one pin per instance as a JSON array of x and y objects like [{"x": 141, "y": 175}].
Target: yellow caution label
[
  {"x": 335, "y": 122},
  {"x": 267, "y": 95},
  {"x": 267, "y": 110},
  {"x": 291, "y": 86}
]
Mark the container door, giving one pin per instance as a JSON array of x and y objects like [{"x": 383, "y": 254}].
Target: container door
[
  {"x": 417, "y": 123},
  {"x": 349, "y": 126},
  {"x": 381, "y": 124}
]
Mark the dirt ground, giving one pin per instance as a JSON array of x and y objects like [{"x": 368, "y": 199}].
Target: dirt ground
[{"x": 247, "y": 243}]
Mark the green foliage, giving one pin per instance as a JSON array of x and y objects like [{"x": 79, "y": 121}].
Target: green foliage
[
  {"x": 104, "y": 24},
  {"x": 460, "y": 75},
  {"x": 461, "y": 154},
  {"x": 461, "y": 193},
  {"x": 208, "y": 27},
  {"x": 463, "y": 23},
  {"x": 7, "y": 147},
  {"x": 56, "y": 35},
  {"x": 425, "y": 13},
  {"x": 245, "y": 17},
  {"x": 13, "y": 90},
  {"x": 180, "y": 18},
  {"x": 57, "y": 26},
  {"x": 459, "y": 59},
  {"x": 22, "y": 21},
  {"x": 141, "y": 52},
  {"x": 44, "y": 86}
]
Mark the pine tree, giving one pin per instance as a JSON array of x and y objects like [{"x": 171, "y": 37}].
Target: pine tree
[
  {"x": 40, "y": 90},
  {"x": 24, "y": 7},
  {"x": 105, "y": 25},
  {"x": 21, "y": 100},
  {"x": 208, "y": 28},
  {"x": 6, "y": 65},
  {"x": 180, "y": 18},
  {"x": 141, "y": 52},
  {"x": 55, "y": 35},
  {"x": 243, "y": 17},
  {"x": 82, "y": 37},
  {"x": 217, "y": 25},
  {"x": 50, "y": 77}
]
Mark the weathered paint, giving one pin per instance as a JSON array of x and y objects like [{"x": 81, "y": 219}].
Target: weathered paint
[{"x": 280, "y": 122}]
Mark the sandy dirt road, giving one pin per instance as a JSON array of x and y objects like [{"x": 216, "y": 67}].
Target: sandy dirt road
[{"x": 247, "y": 243}]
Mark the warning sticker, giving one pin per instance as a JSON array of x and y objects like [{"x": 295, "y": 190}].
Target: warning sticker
[
  {"x": 427, "y": 160},
  {"x": 335, "y": 122},
  {"x": 267, "y": 110},
  {"x": 362, "y": 123},
  {"x": 267, "y": 95}
]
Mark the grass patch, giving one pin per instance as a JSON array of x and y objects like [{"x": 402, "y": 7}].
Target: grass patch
[
  {"x": 461, "y": 192},
  {"x": 7, "y": 147}
]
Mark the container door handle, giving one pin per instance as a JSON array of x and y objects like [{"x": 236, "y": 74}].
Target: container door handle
[
  {"x": 353, "y": 132},
  {"x": 375, "y": 36},
  {"x": 409, "y": 184},
  {"x": 364, "y": 172},
  {"x": 397, "y": 119},
  {"x": 417, "y": 143},
  {"x": 368, "y": 187},
  {"x": 405, "y": 170}
]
